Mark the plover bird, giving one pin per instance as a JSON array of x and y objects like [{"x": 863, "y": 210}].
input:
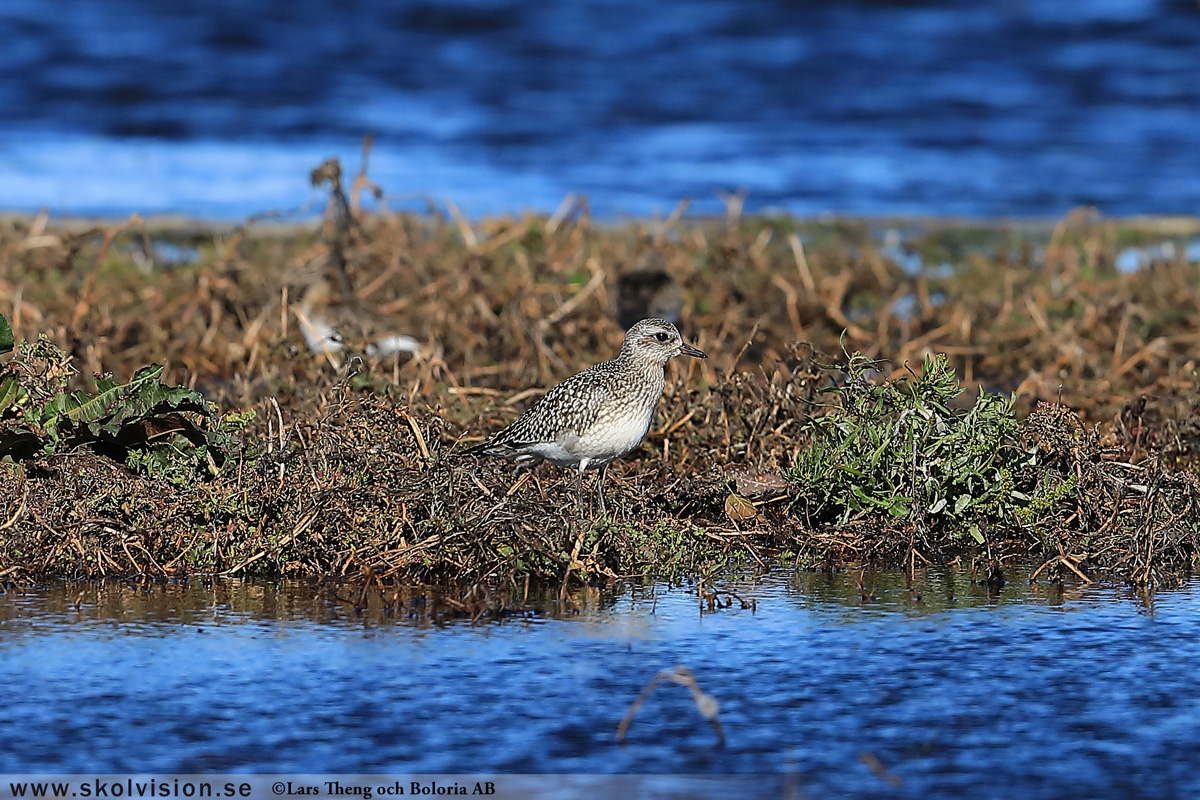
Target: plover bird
[
  {"x": 331, "y": 325},
  {"x": 598, "y": 415}
]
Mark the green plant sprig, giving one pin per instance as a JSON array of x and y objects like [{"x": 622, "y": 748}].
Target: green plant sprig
[{"x": 897, "y": 447}]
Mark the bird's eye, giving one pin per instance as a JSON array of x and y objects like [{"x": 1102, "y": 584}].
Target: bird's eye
[{"x": 663, "y": 337}]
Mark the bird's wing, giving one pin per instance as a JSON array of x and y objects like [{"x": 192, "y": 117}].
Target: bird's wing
[{"x": 567, "y": 409}]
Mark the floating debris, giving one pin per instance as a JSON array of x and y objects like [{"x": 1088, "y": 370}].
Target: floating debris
[{"x": 706, "y": 704}]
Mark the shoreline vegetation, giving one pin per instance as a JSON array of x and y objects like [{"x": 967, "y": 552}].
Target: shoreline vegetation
[{"x": 184, "y": 400}]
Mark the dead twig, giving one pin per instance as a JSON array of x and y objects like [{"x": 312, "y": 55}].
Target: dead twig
[{"x": 682, "y": 676}]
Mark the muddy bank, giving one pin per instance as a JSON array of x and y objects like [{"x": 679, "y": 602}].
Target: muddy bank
[{"x": 341, "y": 369}]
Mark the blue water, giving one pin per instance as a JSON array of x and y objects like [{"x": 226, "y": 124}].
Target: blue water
[
  {"x": 220, "y": 107},
  {"x": 1031, "y": 692}
]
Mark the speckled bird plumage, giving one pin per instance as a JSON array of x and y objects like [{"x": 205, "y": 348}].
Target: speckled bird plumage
[{"x": 600, "y": 414}]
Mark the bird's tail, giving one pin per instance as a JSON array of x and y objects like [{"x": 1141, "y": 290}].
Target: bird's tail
[
  {"x": 499, "y": 445},
  {"x": 488, "y": 447}
]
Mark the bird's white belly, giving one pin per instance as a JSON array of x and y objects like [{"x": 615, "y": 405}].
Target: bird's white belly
[
  {"x": 599, "y": 444},
  {"x": 603, "y": 442}
]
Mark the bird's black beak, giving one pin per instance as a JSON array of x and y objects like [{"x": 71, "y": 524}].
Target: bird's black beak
[{"x": 687, "y": 350}]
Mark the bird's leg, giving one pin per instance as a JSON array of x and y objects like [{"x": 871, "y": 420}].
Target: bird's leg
[
  {"x": 579, "y": 486},
  {"x": 600, "y": 487}
]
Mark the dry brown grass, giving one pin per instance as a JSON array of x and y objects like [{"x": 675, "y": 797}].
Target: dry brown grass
[{"x": 364, "y": 474}]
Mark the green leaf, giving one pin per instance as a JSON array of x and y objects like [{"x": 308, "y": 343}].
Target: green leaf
[
  {"x": 6, "y": 336},
  {"x": 57, "y": 406},
  {"x": 899, "y": 507},
  {"x": 976, "y": 534},
  {"x": 9, "y": 389},
  {"x": 148, "y": 424},
  {"x": 857, "y": 491},
  {"x": 110, "y": 394}
]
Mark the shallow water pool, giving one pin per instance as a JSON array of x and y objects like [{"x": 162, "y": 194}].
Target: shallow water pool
[{"x": 937, "y": 688}]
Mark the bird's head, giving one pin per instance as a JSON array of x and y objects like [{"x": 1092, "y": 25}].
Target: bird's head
[{"x": 657, "y": 341}]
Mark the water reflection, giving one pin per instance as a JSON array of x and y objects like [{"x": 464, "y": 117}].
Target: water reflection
[{"x": 848, "y": 594}]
